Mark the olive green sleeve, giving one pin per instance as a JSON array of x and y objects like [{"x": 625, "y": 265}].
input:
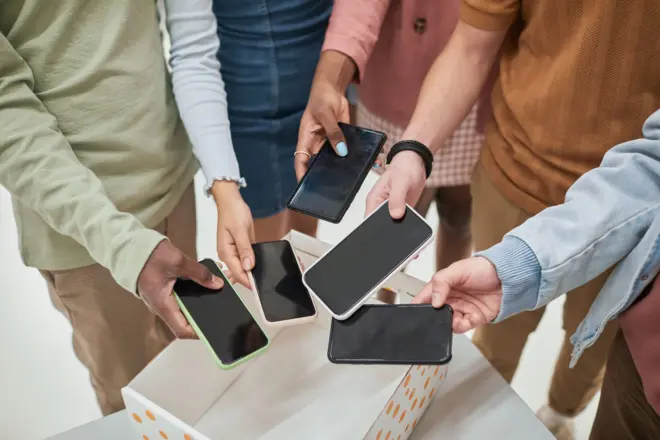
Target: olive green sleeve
[{"x": 39, "y": 168}]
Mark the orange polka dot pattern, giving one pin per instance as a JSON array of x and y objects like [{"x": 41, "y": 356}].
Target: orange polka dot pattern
[
  {"x": 147, "y": 418},
  {"x": 406, "y": 406}
]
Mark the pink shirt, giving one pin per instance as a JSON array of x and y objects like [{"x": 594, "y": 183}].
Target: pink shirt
[{"x": 394, "y": 43}]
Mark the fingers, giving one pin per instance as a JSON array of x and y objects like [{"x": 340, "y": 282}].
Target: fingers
[
  {"x": 378, "y": 194},
  {"x": 397, "y": 200},
  {"x": 170, "y": 313},
  {"x": 188, "y": 268},
  {"x": 244, "y": 262},
  {"x": 424, "y": 297},
  {"x": 334, "y": 134}
]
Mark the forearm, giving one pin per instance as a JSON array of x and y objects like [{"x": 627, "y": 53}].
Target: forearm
[
  {"x": 39, "y": 168},
  {"x": 199, "y": 89},
  {"x": 453, "y": 84},
  {"x": 336, "y": 69}
]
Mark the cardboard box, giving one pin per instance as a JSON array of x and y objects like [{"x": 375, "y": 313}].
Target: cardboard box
[{"x": 290, "y": 392}]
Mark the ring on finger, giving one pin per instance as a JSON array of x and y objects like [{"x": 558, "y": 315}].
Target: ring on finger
[{"x": 303, "y": 152}]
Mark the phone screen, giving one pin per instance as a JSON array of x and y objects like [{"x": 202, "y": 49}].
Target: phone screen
[
  {"x": 329, "y": 186},
  {"x": 370, "y": 254},
  {"x": 222, "y": 318},
  {"x": 393, "y": 334},
  {"x": 278, "y": 282}
]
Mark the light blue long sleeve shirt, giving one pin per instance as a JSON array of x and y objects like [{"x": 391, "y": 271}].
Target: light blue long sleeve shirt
[
  {"x": 198, "y": 87},
  {"x": 611, "y": 216}
]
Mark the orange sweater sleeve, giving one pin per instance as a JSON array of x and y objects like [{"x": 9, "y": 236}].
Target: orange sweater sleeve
[{"x": 490, "y": 15}]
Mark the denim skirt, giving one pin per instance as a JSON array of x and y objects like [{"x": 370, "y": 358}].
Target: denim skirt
[{"x": 268, "y": 53}]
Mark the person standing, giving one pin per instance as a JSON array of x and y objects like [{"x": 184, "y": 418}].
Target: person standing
[
  {"x": 268, "y": 52},
  {"x": 575, "y": 78},
  {"x": 610, "y": 218},
  {"x": 388, "y": 47},
  {"x": 101, "y": 174}
]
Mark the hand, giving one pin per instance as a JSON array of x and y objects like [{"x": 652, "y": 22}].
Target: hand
[
  {"x": 235, "y": 230},
  {"x": 402, "y": 182},
  {"x": 156, "y": 281},
  {"x": 471, "y": 287},
  {"x": 327, "y": 105}
]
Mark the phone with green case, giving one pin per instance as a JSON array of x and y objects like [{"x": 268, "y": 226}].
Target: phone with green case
[{"x": 221, "y": 320}]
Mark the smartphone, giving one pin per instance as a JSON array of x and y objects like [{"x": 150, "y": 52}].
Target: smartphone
[
  {"x": 351, "y": 272},
  {"x": 221, "y": 320},
  {"x": 415, "y": 334},
  {"x": 331, "y": 182},
  {"x": 277, "y": 281}
]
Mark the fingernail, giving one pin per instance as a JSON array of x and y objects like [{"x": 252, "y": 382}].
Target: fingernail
[
  {"x": 247, "y": 264},
  {"x": 341, "y": 149},
  {"x": 376, "y": 166},
  {"x": 218, "y": 282}
]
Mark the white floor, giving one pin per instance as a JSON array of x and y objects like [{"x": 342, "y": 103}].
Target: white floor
[{"x": 44, "y": 389}]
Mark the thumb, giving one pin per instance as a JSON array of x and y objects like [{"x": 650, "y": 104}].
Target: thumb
[
  {"x": 378, "y": 194},
  {"x": 424, "y": 297},
  {"x": 332, "y": 130},
  {"x": 244, "y": 247},
  {"x": 199, "y": 273},
  {"x": 398, "y": 193}
]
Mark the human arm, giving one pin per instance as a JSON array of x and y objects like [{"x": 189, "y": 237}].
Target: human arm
[
  {"x": 449, "y": 91},
  {"x": 39, "y": 168},
  {"x": 605, "y": 213},
  {"x": 202, "y": 101},
  {"x": 351, "y": 36}
]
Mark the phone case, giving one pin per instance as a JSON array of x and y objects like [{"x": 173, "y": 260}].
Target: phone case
[
  {"x": 202, "y": 338},
  {"x": 364, "y": 299},
  {"x": 347, "y": 361},
  {"x": 288, "y": 322},
  {"x": 354, "y": 190}
]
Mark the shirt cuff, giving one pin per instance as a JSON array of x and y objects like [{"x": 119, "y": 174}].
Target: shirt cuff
[
  {"x": 520, "y": 273},
  {"x": 485, "y": 20},
  {"x": 347, "y": 45},
  {"x": 136, "y": 255}
]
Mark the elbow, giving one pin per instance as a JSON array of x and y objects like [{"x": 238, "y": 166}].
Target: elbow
[{"x": 477, "y": 47}]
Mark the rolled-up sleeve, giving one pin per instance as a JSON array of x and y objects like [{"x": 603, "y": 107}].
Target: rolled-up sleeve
[
  {"x": 354, "y": 28},
  {"x": 489, "y": 15}
]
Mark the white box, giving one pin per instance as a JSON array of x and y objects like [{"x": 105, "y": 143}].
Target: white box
[{"x": 289, "y": 392}]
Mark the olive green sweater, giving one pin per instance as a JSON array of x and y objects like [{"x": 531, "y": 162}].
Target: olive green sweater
[{"x": 91, "y": 146}]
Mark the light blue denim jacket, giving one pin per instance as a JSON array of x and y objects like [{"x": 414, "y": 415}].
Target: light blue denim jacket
[{"x": 611, "y": 216}]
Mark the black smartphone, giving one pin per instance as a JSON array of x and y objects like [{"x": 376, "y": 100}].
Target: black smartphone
[
  {"x": 331, "y": 182},
  {"x": 351, "y": 272},
  {"x": 413, "y": 334},
  {"x": 221, "y": 320},
  {"x": 277, "y": 281}
]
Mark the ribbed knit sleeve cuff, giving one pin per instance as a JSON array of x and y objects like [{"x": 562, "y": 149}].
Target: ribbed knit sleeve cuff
[{"x": 520, "y": 273}]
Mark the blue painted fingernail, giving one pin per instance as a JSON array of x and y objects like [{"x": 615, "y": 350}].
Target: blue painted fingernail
[
  {"x": 341, "y": 149},
  {"x": 376, "y": 165}
]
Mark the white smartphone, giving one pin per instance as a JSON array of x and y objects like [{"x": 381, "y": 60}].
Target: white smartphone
[
  {"x": 277, "y": 281},
  {"x": 351, "y": 272}
]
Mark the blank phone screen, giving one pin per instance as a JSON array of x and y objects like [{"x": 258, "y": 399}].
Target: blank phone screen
[
  {"x": 365, "y": 258},
  {"x": 399, "y": 334},
  {"x": 278, "y": 281},
  {"x": 222, "y": 318},
  {"x": 331, "y": 182}
]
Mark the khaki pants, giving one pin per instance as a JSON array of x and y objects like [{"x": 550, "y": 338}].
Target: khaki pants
[
  {"x": 114, "y": 334},
  {"x": 502, "y": 344},
  {"x": 624, "y": 413}
]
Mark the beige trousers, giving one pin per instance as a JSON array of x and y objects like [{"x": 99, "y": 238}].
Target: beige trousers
[
  {"x": 114, "y": 334},
  {"x": 502, "y": 344}
]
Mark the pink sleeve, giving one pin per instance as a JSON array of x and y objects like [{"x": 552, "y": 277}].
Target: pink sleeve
[{"x": 354, "y": 28}]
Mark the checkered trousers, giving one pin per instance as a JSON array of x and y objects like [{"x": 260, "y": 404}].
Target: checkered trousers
[{"x": 454, "y": 162}]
